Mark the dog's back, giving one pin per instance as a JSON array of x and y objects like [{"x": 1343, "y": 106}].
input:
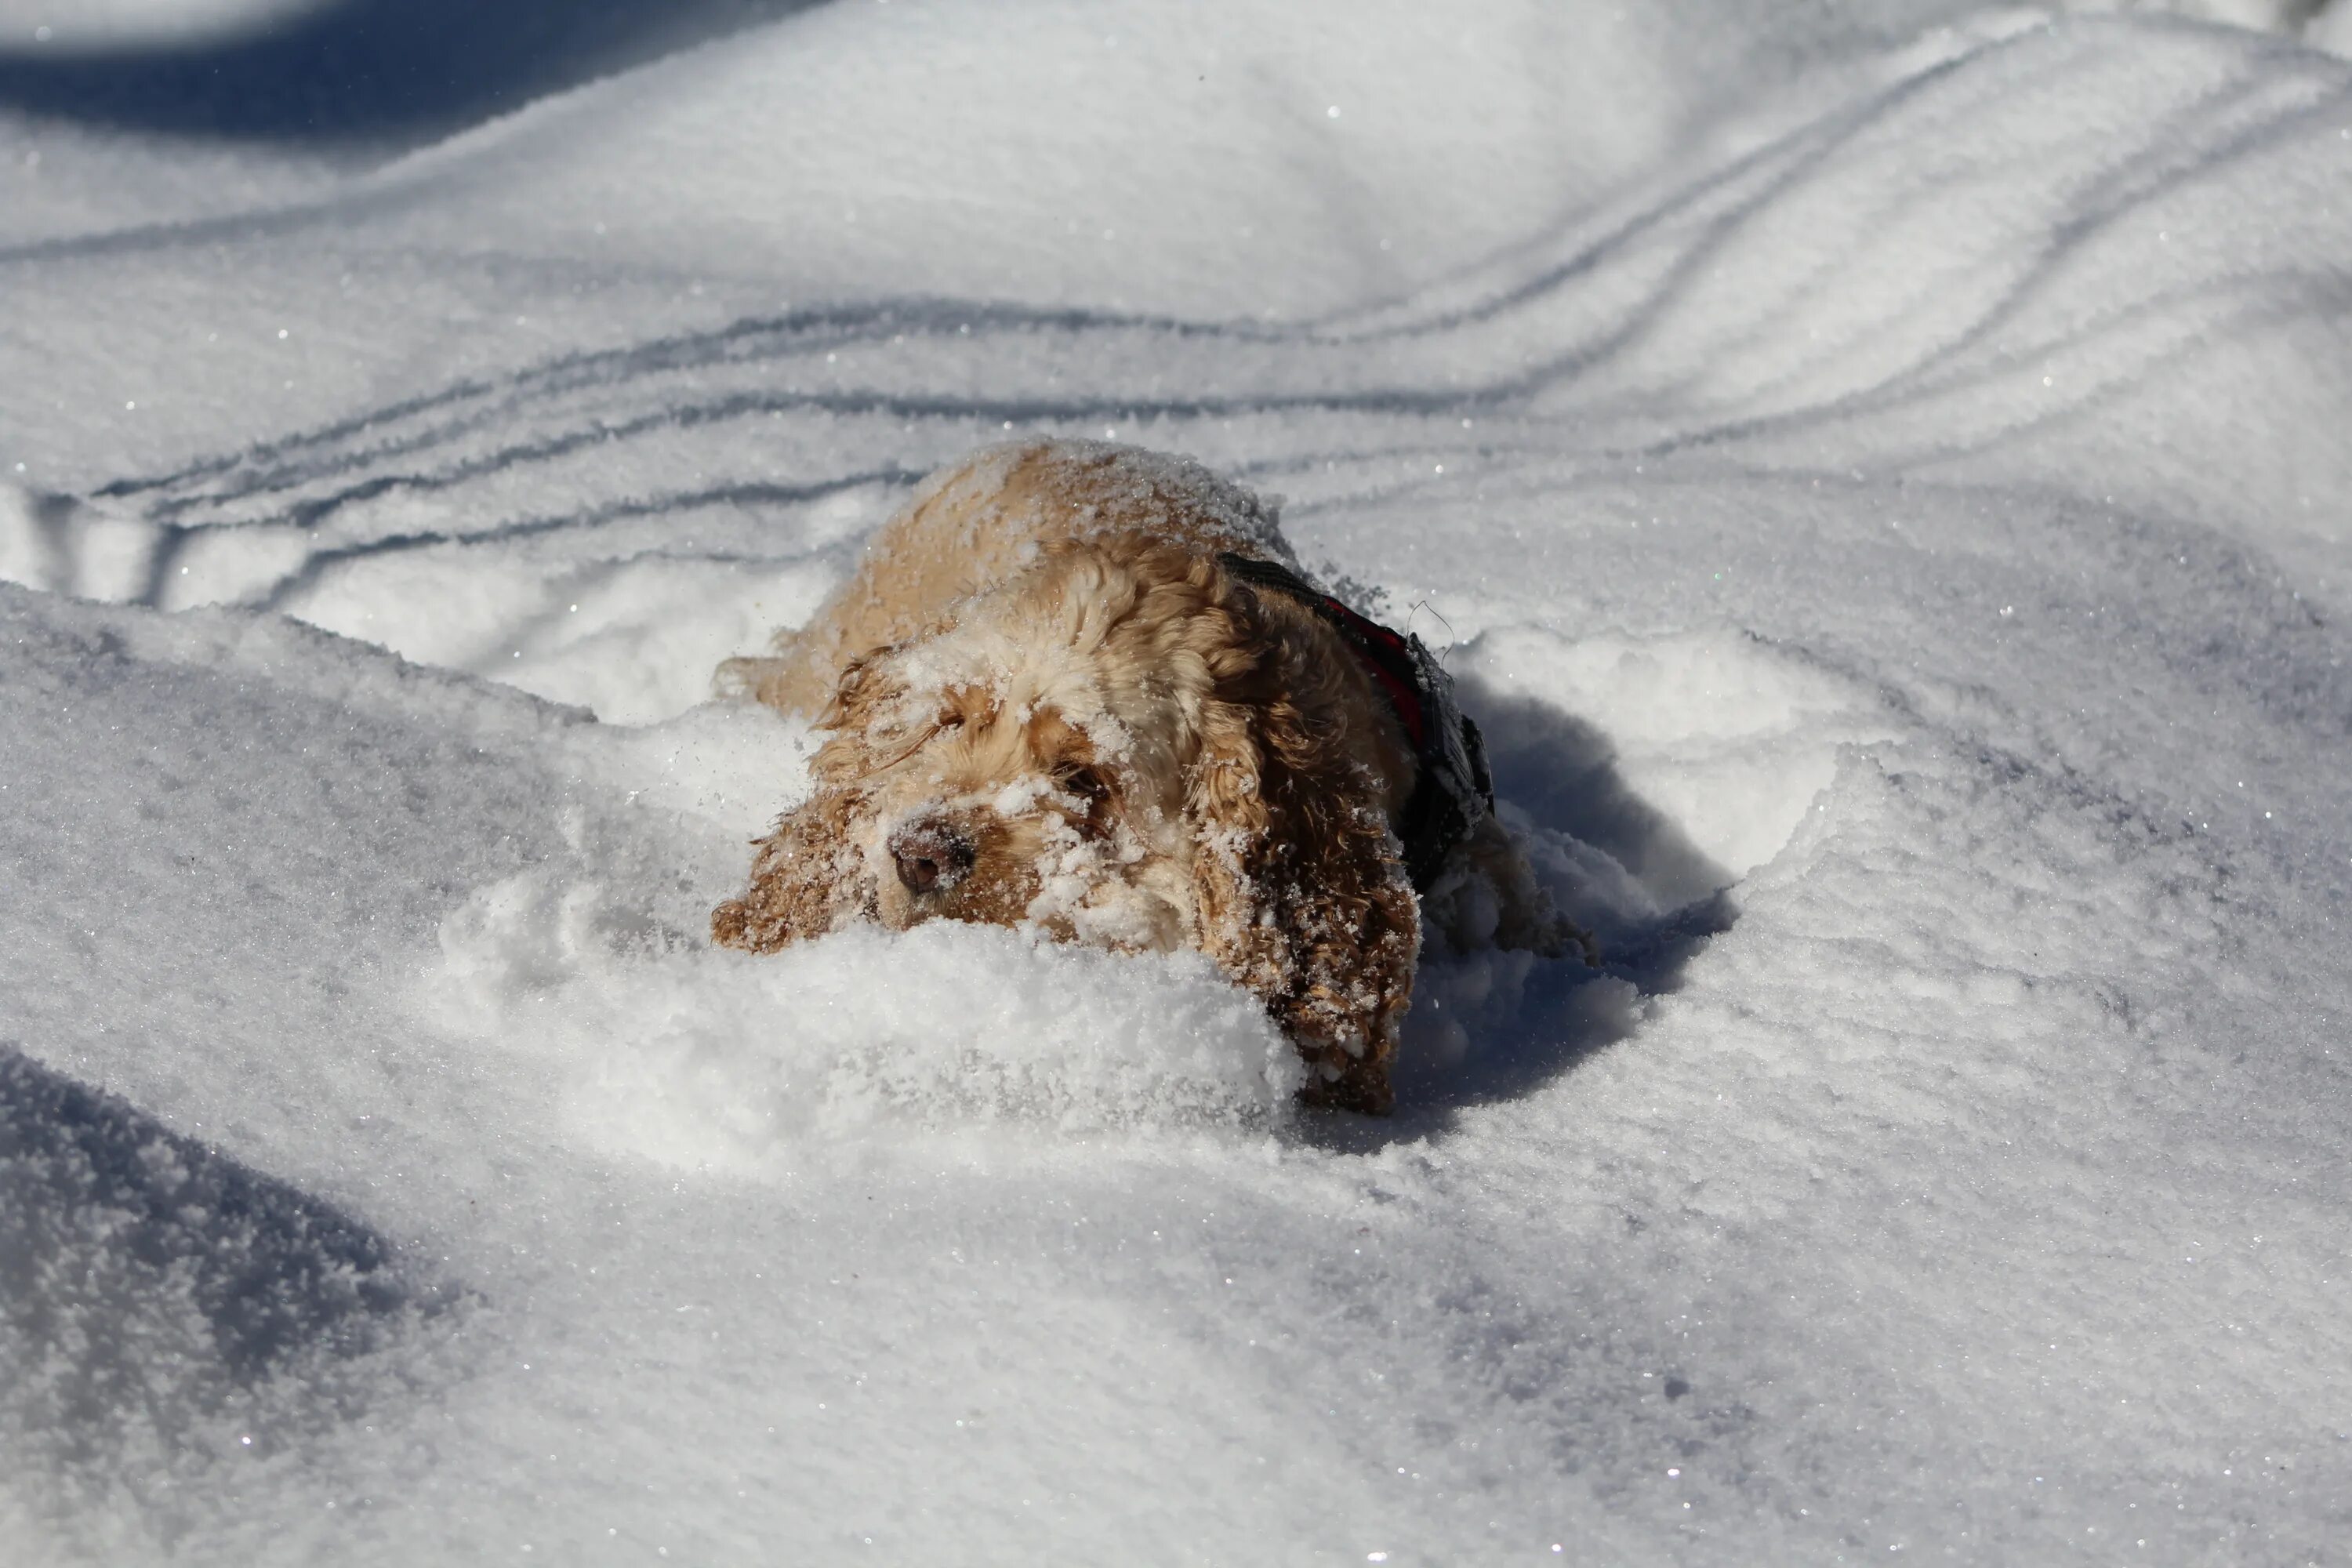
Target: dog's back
[{"x": 985, "y": 519}]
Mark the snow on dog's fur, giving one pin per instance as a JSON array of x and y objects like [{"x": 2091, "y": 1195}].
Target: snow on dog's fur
[{"x": 1049, "y": 704}]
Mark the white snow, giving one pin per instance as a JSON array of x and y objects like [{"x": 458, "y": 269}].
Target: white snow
[
  {"x": 69, "y": 25},
  {"x": 1880, "y": 470}
]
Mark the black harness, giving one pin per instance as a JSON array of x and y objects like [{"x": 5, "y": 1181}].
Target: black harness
[{"x": 1454, "y": 790}]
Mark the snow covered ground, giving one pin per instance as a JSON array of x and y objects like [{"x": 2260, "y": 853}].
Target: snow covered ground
[{"x": 1882, "y": 470}]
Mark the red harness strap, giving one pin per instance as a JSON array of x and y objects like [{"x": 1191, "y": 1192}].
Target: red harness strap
[{"x": 1388, "y": 660}]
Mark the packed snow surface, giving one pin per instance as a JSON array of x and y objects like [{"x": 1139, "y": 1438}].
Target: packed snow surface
[{"x": 1881, "y": 473}]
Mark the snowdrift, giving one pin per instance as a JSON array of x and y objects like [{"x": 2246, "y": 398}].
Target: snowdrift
[{"x": 1882, "y": 479}]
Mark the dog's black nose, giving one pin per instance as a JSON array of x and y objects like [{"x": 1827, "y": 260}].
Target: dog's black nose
[{"x": 932, "y": 856}]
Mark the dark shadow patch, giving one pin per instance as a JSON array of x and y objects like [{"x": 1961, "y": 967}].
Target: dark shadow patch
[
  {"x": 147, "y": 1283},
  {"x": 1653, "y": 899},
  {"x": 388, "y": 73},
  {"x": 1563, "y": 771}
]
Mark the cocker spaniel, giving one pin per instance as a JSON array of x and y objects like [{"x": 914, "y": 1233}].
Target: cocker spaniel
[{"x": 1083, "y": 688}]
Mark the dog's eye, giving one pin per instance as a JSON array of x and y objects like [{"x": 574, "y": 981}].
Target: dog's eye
[{"x": 1090, "y": 787}]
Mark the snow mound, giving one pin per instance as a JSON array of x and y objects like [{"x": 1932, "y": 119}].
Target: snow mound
[
  {"x": 1723, "y": 733},
  {"x": 706, "y": 1059}
]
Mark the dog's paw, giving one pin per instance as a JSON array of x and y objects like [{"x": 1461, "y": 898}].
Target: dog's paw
[{"x": 731, "y": 926}]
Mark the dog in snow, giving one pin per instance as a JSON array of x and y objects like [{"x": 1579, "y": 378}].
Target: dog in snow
[{"x": 1086, "y": 688}]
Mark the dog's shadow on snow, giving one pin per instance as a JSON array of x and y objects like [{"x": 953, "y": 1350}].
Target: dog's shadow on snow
[{"x": 1495, "y": 1026}]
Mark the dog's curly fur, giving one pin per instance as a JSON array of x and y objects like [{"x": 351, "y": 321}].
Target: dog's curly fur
[{"x": 1047, "y": 703}]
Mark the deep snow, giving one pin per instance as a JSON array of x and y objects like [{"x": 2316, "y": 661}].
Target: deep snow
[{"x": 1880, "y": 471}]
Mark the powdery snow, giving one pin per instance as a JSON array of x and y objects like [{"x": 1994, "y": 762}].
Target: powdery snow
[{"x": 1881, "y": 478}]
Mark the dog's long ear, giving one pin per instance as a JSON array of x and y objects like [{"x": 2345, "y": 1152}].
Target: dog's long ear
[
  {"x": 1300, "y": 886},
  {"x": 811, "y": 874}
]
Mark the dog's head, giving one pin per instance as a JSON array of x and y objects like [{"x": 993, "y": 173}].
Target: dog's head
[{"x": 1126, "y": 747}]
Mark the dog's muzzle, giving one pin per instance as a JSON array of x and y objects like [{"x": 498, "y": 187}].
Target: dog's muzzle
[{"x": 932, "y": 856}]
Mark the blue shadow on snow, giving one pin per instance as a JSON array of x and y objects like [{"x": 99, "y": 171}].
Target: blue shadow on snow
[
  {"x": 146, "y": 1277},
  {"x": 1561, "y": 771},
  {"x": 387, "y": 73}
]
